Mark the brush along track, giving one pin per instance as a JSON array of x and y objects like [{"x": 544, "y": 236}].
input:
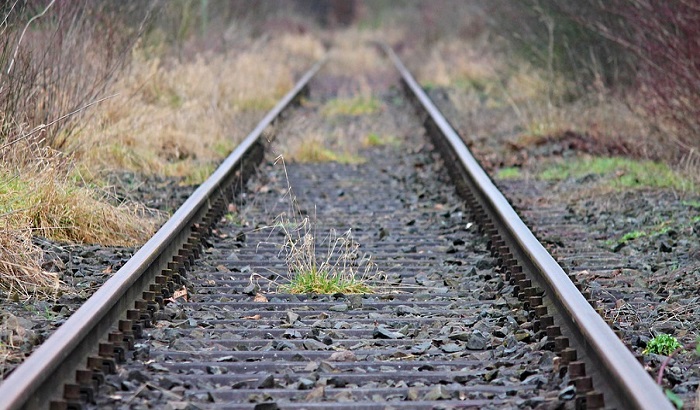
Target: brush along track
[{"x": 448, "y": 325}]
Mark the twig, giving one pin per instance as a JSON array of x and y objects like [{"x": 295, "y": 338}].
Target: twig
[
  {"x": 19, "y": 42},
  {"x": 7, "y": 15},
  {"x": 44, "y": 126}
]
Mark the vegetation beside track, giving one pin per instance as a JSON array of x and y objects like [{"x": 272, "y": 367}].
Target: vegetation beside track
[{"x": 124, "y": 87}]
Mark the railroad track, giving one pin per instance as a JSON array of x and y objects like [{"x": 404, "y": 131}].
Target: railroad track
[{"x": 457, "y": 317}]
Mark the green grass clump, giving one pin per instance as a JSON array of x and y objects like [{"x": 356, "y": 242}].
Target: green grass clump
[
  {"x": 692, "y": 204},
  {"x": 325, "y": 282},
  {"x": 621, "y": 172},
  {"x": 509, "y": 173},
  {"x": 630, "y": 236},
  {"x": 662, "y": 344},
  {"x": 314, "y": 151},
  {"x": 335, "y": 272},
  {"x": 376, "y": 140},
  {"x": 354, "y": 107}
]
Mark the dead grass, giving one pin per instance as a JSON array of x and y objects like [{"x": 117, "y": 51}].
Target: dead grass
[
  {"x": 21, "y": 275},
  {"x": 173, "y": 118},
  {"x": 497, "y": 96},
  {"x": 57, "y": 206},
  {"x": 40, "y": 198}
]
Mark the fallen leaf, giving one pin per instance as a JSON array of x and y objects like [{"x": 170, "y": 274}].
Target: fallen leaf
[
  {"x": 260, "y": 298},
  {"x": 108, "y": 269},
  {"x": 254, "y": 317},
  {"x": 180, "y": 294}
]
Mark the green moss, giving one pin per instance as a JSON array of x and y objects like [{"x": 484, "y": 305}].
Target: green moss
[
  {"x": 509, "y": 173},
  {"x": 621, "y": 173}
]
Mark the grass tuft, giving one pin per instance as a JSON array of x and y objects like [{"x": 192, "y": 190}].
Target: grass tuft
[
  {"x": 337, "y": 272},
  {"x": 376, "y": 140},
  {"x": 509, "y": 173},
  {"x": 313, "y": 150},
  {"x": 353, "y": 106},
  {"x": 340, "y": 269}
]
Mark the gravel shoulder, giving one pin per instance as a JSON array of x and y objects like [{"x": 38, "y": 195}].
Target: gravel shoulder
[
  {"x": 82, "y": 269},
  {"x": 636, "y": 251}
]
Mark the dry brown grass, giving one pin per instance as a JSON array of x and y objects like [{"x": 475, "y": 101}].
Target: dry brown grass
[
  {"x": 40, "y": 198},
  {"x": 162, "y": 115},
  {"x": 497, "y": 96},
  {"x": 171, "y": 118},
  {"x": 21, "y": 275}
]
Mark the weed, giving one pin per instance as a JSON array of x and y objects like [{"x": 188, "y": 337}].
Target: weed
[
  {"x": 314, "y": 151},
  {"x": 693, "y": 204},
  {"x": 354, "y": 106},
  {"x": 674, "y": 399},
  {"x": 509, "y": 173},
  {"x": 336, "y": 272},
  {"x": 375, "y": 140},
  {"x": 630, "y": 236},
  {"x": 233, "y": 218},
  {"x": 663, "y": 344},
  {"x": 341, "y": 269}
]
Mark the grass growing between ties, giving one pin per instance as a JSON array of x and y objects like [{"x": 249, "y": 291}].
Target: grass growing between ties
[
  {"x": 376, "y": 140},
  {"x": 335, "y": 272},
  {"x": 341, "y": 268},
  {"x": 314, "y": 150},
  {"x": 353, "y": 106}
]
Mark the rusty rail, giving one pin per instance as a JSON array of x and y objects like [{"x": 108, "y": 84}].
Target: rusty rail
[
  {"x": 34, "y": 384},
  {"x": 612, "y": 367}
]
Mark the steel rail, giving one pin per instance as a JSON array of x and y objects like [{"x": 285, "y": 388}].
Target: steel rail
[
  {"x": 35, "y": 382},
  {"x": 622, "y": 378}
]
